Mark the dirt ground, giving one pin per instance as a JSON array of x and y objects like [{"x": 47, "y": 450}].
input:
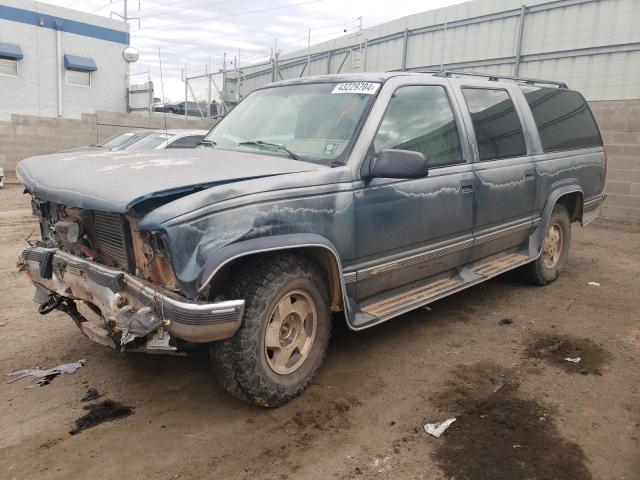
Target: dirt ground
[{"x": 492, "y": 356}]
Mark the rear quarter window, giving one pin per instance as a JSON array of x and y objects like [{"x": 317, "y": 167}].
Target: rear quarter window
[{"x": 563, "y": 118}]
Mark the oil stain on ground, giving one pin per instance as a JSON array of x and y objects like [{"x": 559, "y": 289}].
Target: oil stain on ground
[
  {"x": 498, "y": 435},
  {"x": 556, "y": 349},
  {"x": 98, "y": 413}
]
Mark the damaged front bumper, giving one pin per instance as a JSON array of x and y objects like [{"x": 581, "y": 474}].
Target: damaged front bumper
[{"x": 130, "y": 307}]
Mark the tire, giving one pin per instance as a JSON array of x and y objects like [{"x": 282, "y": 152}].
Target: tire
[
  {"x": 249, "y": 365},
  {"x": 547, "y": 267},
  {"x": 169, "y": 110}
]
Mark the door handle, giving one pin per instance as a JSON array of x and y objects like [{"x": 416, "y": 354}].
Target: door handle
[
  {"x": 467, "y": 186},
  {"x": 529, "y": 173}
]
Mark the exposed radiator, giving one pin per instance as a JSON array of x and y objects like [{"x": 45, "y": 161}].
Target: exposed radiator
[{"x": 112, "y": 238}]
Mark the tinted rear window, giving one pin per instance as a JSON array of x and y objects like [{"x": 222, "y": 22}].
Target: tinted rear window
[
  {"x": 563, "y": 119},
  {"x": 496, "y": 123}
]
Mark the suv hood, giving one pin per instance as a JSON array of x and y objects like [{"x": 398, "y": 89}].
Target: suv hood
[{"x": 117, "y": 181}]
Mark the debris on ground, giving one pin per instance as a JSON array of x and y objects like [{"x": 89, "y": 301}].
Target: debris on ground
[
  {"x": 593, "y": 284},
  {"x": 3, "y": 324},
  {"x": 92, "y": 394},
  {"x": 505, "y": 321},
  {"x": 573, "y": 360},
  {"x": 502, "y": 435},
  {"x": 45, "y": 376},
  {"x": 106, "y": 411},
  {"x": 557, "y": 349},
  {"x": 437, "y": 429},
  {"x": 502, "y": 381}
]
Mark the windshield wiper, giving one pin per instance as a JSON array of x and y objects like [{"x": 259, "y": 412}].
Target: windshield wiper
[
  {"x": 207, "y": 143},
  {"x": 268, "y": 144}
]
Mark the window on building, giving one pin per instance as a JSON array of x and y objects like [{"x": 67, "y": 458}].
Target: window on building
[
  {"x": 82, "y": 79},
  {"x": 79, "y": 70},
  {"x": 9, "y": 56},
  {"x": 563, "y": 118},
  {"x": 186, "y": 142},
  {"x": 419, "y": 118},
  {"x": 8, "y": 66},
  {"x": 495, "y": 122}
]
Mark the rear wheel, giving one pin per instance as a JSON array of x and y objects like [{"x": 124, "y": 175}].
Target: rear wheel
[
  {"x": 284, "y": 334},
  {"x": 555, "y": 249}
]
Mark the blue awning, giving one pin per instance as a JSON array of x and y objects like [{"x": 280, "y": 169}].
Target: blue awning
[
  {"x": 79, "y": 64},
  {"x": 9, "y": 50}
]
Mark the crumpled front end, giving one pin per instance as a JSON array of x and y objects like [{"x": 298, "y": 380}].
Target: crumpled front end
[{"x": 129, "y": 307}]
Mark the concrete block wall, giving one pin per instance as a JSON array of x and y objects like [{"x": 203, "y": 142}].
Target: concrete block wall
[
  {"x": 24, "y": 136},
  {"x": 28, "y": 135},
  {"x": 619, "y": 122}
]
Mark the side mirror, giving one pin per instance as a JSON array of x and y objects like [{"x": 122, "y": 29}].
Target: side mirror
[{"x": 397, "y": 164}]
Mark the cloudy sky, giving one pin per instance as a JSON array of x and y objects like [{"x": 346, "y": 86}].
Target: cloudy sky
[{"x": 197, "y": 32}]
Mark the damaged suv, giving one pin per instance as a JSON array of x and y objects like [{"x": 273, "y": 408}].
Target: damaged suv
[{"x": 355, "y": 196}]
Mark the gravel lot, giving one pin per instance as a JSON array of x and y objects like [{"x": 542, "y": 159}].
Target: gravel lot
[{"x": 492, "y": 356}]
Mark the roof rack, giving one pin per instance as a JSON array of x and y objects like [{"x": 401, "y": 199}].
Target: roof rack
[{"x": 495, "y": 78}]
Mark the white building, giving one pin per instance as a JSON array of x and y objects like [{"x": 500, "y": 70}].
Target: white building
[{"x": 60, "y": 62}]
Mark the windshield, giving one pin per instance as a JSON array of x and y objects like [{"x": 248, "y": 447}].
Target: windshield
[
  {"x": 117, "y": 140},
  {"x": 313, "y": 122},
  {"x": 151, "y": 140}
]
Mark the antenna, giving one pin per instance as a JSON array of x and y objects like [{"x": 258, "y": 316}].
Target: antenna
[{"x": 164, "y": 110}]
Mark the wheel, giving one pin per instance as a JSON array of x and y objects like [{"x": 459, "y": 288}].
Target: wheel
[
  {"x": 555, "y": 249},
  {"x": 284, "y": 334},
  {"x": 169, "y": 110}
]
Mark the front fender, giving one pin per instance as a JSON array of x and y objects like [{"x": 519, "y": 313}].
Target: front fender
[{"x": 226, "y": 254}]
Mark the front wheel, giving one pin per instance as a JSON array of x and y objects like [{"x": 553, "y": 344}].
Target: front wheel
[
  {"x": 284, "y": 334},
  {"x": 555, "y": 249}
]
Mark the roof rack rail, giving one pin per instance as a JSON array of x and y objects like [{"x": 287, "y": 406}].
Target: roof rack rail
[{"x": 493, "y": 77}]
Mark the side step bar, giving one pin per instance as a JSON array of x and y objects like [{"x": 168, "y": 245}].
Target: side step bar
[{"x": 416, "y": 297}]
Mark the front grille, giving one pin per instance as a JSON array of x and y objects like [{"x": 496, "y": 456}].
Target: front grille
[{"x": 111, "y": 237}]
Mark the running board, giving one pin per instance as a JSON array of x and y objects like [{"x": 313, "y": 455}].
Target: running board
[
  {"x": 416, "y": 297},
  {"x": 499, "y": 265}
]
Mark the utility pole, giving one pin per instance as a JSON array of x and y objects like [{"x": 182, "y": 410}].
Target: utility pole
[
  {"x": 186, "y": 88},
  {"x": 238, "y": 79},
  {"x": 209, "y": 88},
  {"x": 224, "y": 84},
  {"x": 276, "y": 73},
  {"x": 309, "y": 48}
]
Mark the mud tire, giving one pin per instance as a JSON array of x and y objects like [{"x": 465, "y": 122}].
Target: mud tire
[
  {"x": 240, "y": 362},
  {"x": 539, "y": 273}
]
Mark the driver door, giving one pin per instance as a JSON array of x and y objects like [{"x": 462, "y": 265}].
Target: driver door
[{"x": 410, "y": 229}]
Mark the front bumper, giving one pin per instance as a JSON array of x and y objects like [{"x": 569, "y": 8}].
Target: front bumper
[{"x": 130, "y": 307}]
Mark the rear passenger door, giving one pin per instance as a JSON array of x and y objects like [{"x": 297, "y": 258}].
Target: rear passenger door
[{"x": 504, "y": 170}]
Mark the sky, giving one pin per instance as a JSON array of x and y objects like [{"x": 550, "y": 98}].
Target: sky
[{"x": 200, "y": 32}]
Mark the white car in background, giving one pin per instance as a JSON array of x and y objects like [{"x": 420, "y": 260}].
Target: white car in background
[
  {"x": 161, "y": 139},
  {"x": 148, "y": 140}
]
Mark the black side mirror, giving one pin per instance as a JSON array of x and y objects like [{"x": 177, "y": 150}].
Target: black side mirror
[{"x": 397, "y": 164}]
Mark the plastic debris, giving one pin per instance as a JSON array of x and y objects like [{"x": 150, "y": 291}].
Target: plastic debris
[
  {"x": 45, "y": 376},
  {"x": 437, "y": 429},
  {"x": 573, "y": 360},
  {"x": 502, "y": 381},
  {"x": 593, "y": 284}
]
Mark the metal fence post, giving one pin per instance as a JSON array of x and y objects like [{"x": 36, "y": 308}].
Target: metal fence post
[
  {"x": 405, "y": 44},
  {"x": 516, "y": 66}
]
